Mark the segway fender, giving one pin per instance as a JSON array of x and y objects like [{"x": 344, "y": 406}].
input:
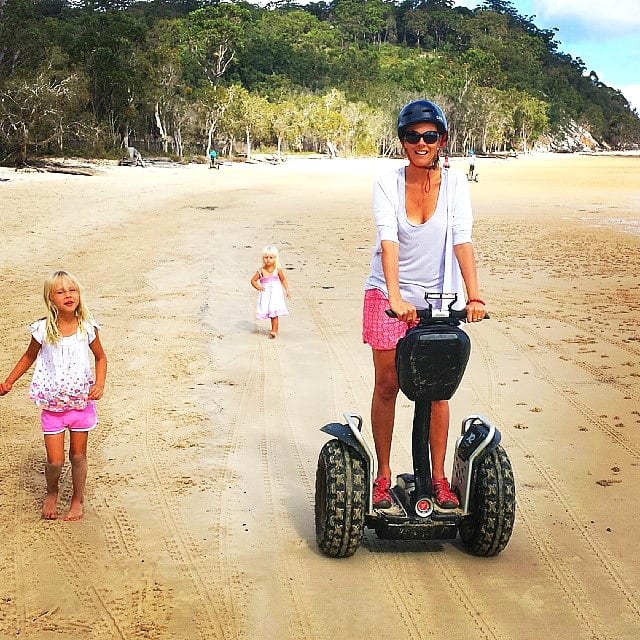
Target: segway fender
[
  {"x": 477, "y": 434},
  {"x": 350, "y": 434},
  {"x": 478, "y": 437},
  {"x": 343, "y": 432}
]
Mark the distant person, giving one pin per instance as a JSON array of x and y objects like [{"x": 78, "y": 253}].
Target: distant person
[
  {"x": 446, "y": 164},
  {"x": 271, "y": 282},
  {"x": 63, "y": 385},
  {"x": 213, "y": 159},
  {"x": 424, "y": 222},
  {"x": 472, "y": 165}
]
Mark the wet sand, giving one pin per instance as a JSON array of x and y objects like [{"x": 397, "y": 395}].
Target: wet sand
[{"x": 199, "y": 518}]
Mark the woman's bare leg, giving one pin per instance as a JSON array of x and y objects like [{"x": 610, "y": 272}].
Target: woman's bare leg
[
  {"x": 438, "y": 434},
  {"x": 383, "y": 407}
]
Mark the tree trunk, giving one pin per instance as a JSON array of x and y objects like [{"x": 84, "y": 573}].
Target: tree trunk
[
  {"x": 22, "y": 159},
  {"x": 179, "y": 146},
  {"x": 161, "y": 129},
  {"x": 210, "y": 132}
]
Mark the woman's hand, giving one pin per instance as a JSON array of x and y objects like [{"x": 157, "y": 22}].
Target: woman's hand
[
  {"x": 404, "y": 311},
  {"x": 475, "y": 310}
]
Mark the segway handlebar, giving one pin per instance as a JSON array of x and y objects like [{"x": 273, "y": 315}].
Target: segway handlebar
[{"x": 429, "y": 314}]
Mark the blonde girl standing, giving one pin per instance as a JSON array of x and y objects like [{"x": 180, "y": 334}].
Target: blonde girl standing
[
  {"x": 63, "y": 385},
  {"x": 271, "y": 283}
]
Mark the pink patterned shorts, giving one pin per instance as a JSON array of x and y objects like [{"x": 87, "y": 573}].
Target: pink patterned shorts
[
  {"x": 73, "y": 419},
  {"x": 378, "y": 329}
]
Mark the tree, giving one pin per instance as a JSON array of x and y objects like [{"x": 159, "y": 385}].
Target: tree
[
  {"x": 431, "y": 24},
  {"x": 286, "y": 50},
  {"x": 22, "y": 37},
  {"x": 363, "y": 20},
  {"x": 109, "y": 46},
  {"x": 214, "y": 35},
  {"x": 501, "y": 6},
  {"x": 212, "y": 103},
  {"x": 286, "y": 123},
  {"x": 529, "y": 117},
  {"x": 166, "y": 75},
  {"x": 39, "y": 111},
  {"x": 245, "y": 115}
]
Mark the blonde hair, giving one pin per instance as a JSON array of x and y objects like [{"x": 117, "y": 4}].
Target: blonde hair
[
  {"x": 270, "y": 250},
  {"x": 83, "y": 314}
]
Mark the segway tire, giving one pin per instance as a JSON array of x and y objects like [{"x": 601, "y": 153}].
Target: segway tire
[
  {"x": 486, "y": 531},
  {"x": 340, "y": 500}
]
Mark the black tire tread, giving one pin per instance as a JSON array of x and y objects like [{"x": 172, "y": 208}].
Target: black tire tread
[
  {"x": 340, "y": 501},
  {"x": 487, "y": 530}
]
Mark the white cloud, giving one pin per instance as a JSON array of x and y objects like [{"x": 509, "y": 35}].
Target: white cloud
[
  {"x": 632, "y": 94},
  {"x": 592, "y": 17},
  {"x": 616, "y": 18}
]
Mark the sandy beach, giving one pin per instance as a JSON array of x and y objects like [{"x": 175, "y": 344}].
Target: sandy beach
[{"x": 199, "y": 519}]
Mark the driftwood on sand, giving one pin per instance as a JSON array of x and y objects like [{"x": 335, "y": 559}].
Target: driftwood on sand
[{"x": 57, "y": 167}]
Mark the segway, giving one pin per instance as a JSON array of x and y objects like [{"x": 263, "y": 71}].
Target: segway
[{"x": 430, "y": 361}]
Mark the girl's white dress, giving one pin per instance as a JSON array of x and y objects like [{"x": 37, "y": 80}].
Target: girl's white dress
[
  {"x": 271, "y": 301},
  {"x": 62, "y": 376}
]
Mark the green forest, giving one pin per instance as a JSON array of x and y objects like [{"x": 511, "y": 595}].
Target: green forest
[{"x": 177, "y": 77}]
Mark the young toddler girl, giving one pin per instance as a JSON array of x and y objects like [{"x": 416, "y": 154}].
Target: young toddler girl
[{"x": 272, "y": 285}]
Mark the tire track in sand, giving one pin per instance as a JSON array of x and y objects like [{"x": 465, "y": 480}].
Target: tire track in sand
[
  {"x": 213, "y": 607},
  {"x": 73, "y": 557},
  {"x": 270, "y": 413},
  {"x": 400, "y": 576},
  {"x": 16, "y": 595},
  {"x": 535, "y": 359},
  {"x": 567, "y": 583},
  {"x": 540, "y": 534}
]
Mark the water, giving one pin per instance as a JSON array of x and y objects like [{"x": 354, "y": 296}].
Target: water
[{"x": 627, "y": 225}]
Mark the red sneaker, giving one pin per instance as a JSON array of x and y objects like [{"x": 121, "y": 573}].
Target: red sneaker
[
  {"x": 381, "y": 494},
  {"x": 445, "y": 498}
]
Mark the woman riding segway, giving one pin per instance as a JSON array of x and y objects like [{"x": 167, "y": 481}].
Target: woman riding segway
[{"x": 424, "y": 221}]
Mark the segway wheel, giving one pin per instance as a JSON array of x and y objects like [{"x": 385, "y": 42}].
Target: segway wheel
[
  {"x": 486, "y": 531},
  {"x": 340, "y": 500}
]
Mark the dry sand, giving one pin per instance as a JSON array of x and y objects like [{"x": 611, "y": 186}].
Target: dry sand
[{"x": 199, "y": 517}]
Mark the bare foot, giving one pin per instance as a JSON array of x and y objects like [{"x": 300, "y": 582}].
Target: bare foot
[
  {"x": 272, "y": 334},
  {"x": 50, "y": 507},
  {"x": 76, "y": 511}
]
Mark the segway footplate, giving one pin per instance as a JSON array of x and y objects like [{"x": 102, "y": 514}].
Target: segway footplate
[{"x": 432, "y": 528}]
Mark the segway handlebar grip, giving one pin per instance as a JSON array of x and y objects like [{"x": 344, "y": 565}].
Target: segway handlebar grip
[{"x": 461, "y": 314}]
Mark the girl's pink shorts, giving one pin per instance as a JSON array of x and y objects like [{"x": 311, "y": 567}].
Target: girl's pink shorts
[
  {"x": 378, "y": 329},
  {"x": 73, "y": 419}
]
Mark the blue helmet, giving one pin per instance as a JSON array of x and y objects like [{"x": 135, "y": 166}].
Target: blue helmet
[{"x": 421, "y": 111}]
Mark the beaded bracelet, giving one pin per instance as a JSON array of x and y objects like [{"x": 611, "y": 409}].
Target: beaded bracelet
[{"x": 477, "y": 300}]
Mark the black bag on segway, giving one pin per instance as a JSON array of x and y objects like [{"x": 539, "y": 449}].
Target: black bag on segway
[{"x": 431, "y": 359}]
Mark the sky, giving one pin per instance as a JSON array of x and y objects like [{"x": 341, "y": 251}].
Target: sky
[{"x": 604, "y": 35}]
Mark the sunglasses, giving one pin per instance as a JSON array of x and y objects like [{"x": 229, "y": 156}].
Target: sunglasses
[{"x": 413, "y": 137}]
